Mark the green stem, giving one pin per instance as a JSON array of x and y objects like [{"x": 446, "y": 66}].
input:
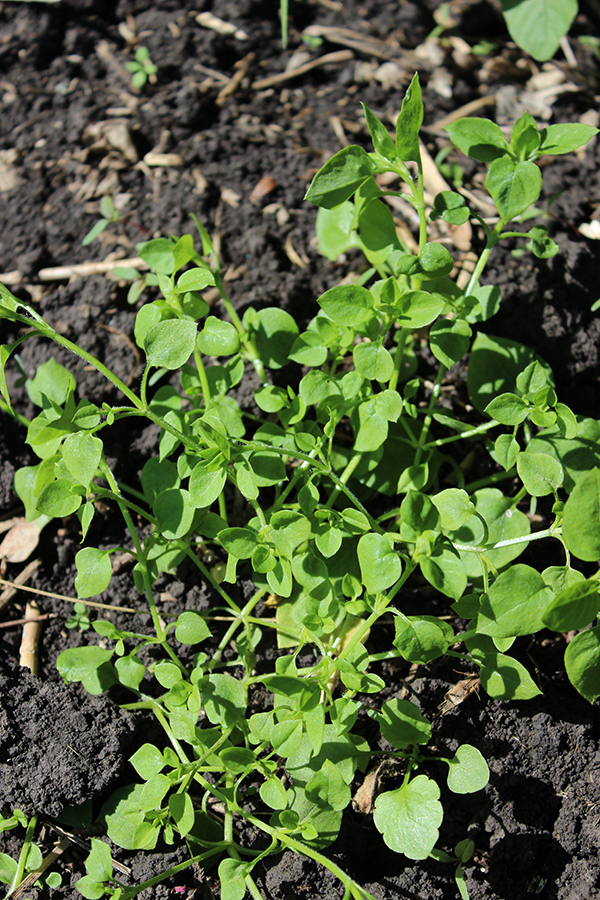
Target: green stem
[
  {"x": 398, "y": 357},
  {"x": 240, "y": 620},
  {"x": 472, "y": 432},
  {"x": 139, "y": 550},
  {"x": 129, "y": 893},
  {"x": 435, "y": 393},
  {"x": 22, "y": 861}
]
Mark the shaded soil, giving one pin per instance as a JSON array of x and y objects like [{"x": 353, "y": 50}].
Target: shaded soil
[{"x": 71, "y": 131}]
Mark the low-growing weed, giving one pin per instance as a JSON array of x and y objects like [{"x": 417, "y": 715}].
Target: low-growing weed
[
  {"x": 343, "y": 491},
  {"x": 142, "y": 68}
]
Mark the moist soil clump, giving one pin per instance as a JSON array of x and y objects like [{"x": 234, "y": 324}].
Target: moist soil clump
[{"x": 221, "y": 135}]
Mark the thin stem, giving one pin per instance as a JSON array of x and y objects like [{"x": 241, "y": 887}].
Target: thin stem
[
  {"x": 139, "y": 550},
  {"x": 129, "y": 893},
  {"x": 22, "y": 861},
  {"x": 435, "y": 393},
  {"x": 398, "y": 357},
  {"x": 240, "y": 620}
]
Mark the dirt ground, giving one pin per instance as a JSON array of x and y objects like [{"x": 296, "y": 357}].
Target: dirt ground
[{"x": 237, "y": 145}]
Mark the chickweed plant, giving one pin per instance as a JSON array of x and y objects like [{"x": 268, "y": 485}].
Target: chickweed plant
[{"x": 331, "y": 502}]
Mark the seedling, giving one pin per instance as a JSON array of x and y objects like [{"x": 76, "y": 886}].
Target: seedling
[
  {"x": 142, "y": 68},
  {"x": 79, "y": 619},
  {"x": 110, "y": 216},
  {"x": 339, "y": 500}
]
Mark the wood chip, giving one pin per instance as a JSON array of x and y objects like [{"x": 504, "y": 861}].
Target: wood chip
[
  {"x": 220, "y": 26},
  {"x": 168, "y": 160},
  {"x": 293, "y": 256},
  {"x": 262, "y": 188},
  {"x": 28, "y": 655}
]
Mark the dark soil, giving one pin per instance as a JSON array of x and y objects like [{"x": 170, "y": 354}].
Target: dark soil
[{"x": 536, "y": 825}]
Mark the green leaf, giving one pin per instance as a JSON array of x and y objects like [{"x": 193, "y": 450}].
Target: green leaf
[
  {"x": 286, "y": 737},
  {"x": 191, "y": 628},
  {"x": 377, "y": 232},
  {"x": 158, "y": 255},
  {"x": 327, "y": 788},
  {"x": 94, "y": 572},
  {"x": 88, "y": 887},
  {"x": 503, "y": 678},
  {"x": 89, "y": 665},
  {"x": 57, "y": 500},
  {"x": 419, "y": 308},
  {"x": 581, "y": 517},
  {"x": 170, "y": 343},
  {"x": 218, "y": 338},
  {"x": 373, "y": 362},
  {"x": 402, "y": 725},
  {"x": 174, "y": 511},
  {"x": 513, "y": 186},
  {"x": 130, "y": 671},
  {"x": 420, "y": 639},
  {"x": 309, "y": 350},
  {"x": 147, "y": 761},
  {"x": 582, "y": 663},
  {"x": 382, "y": 142},
  {"x": 454, "y": 506},
  {"x": 99, "y": 865},
  {"x": 537, "y": 26},
  {"x": 514, "y": 604},
  {"x": 478, "y": 138},
  {"x": 380, "y": 564},
  {"x": 206, "y": 485},
  {"x": 276, "y": 332},
  {"x": 182, "y": 812},
  {"x": 195, "y": 280},
  {"x": 451, "y": 207},
  {"x": 240, "y": 542},
  {"x": 8, "y": 868},
  {"x": 81, "y": 453},
  {"x": 565, "y": 138},
  {"x": 541, "y": 244},
  {"x": 409, "y": 122},
  {"x": 525, "y": 137},
  {"x": 51, "y": 380},
  {"x": 541, "y": 473},
  {"x": 468, "y": 771},
  {"x": 232, "y": 874},
  {"x": 435, "y": 260},
  {"x": 494, "y": 366},
  {"x": 449, "y": 340},
  {"x": 347, "y": 304},
  {"x": 507, "y": 409},
  {"x": 224, "y": 700},
  {"x": 409, "y": 817},
  {"x": 574, "y": 607},
  {"x": 373, "y": 417},
  {"x": 340, "y": 177},
  {"x": 336, "y": 230},
  {"x": 273, "y": 793}
]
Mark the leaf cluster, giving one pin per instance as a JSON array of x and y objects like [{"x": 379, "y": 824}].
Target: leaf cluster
[{"x": 330, "y": 500}]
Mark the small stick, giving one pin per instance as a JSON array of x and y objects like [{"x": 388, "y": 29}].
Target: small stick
[
  {"x": 31, "y": 638},
  {"x": 22, "y": 587},
  {"x": 14, "y": 622},
  {"x": 337, "y": 57},
  {"x": 62, "y": 273},
  {"x": 466, "y": 110},
  {"x": 47, "y": 861},
  {"x": 23, "y": 577}
]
